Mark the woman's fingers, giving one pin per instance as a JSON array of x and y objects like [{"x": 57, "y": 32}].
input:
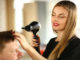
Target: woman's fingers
[
  {"x": 34, "y": 43},
  {"x": 21, "y": 40}
]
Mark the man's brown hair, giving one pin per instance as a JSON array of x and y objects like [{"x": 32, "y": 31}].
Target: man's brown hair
[{"x": 5, "y": 37}]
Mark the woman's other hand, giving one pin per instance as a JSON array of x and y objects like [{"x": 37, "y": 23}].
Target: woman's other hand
[{"x": 34, "y": 42}]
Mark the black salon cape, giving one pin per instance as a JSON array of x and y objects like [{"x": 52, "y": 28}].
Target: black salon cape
[{"x": 71, "y": 52}]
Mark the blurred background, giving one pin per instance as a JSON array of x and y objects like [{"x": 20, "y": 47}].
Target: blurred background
[{"x": 14, "y": 14}]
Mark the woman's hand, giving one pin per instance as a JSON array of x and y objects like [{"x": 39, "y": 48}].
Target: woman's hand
[
  {"x": 21, "y": 40},
  {"x": 31, "y": 51},
  {"x": 35, "y": 43}
]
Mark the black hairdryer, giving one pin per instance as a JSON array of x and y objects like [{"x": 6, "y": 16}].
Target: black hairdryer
[{"x": 33, "y": 27}]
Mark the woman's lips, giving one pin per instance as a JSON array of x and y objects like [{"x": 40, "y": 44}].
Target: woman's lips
[{"x": 55, "y": 24}]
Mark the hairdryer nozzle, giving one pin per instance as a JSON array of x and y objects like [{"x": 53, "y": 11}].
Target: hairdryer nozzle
[
  {"x": 27, "y": 28},
  {"x": 33, "y": 26},
  {"x": 23, "y": 27}
]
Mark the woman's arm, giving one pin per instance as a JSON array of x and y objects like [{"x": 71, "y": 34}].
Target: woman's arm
[{"x": 29, "y": 49}]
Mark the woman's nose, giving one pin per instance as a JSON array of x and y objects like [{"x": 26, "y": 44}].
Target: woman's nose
[{"x": 56, "y": 19}]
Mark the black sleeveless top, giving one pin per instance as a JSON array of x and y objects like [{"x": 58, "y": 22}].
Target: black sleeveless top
[
  {"x": 71, "y": 52},
  {"x": 50, "y": 46}
]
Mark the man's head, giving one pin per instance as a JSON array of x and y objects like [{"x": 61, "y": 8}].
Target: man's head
[{"x": 9, "y": 47}]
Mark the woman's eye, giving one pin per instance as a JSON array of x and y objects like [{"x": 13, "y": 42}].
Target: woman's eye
[
  {"x": 53, "y": 14},
  {"x": 61, "y": 16}
]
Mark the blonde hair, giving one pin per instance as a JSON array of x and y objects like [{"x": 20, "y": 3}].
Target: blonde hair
[{"x": 68, "y": 31}]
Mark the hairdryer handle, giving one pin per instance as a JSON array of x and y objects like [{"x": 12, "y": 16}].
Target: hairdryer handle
[{"x": 37, "y": 48}]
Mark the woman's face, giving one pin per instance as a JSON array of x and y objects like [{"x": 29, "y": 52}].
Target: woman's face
[{"x": 59, "y": 18}]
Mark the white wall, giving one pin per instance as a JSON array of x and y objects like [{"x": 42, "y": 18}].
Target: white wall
[{"x": 2, "y": 15}]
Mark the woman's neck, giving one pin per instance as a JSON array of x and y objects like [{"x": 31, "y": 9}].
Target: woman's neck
[{"x": 59, "y": 35}]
